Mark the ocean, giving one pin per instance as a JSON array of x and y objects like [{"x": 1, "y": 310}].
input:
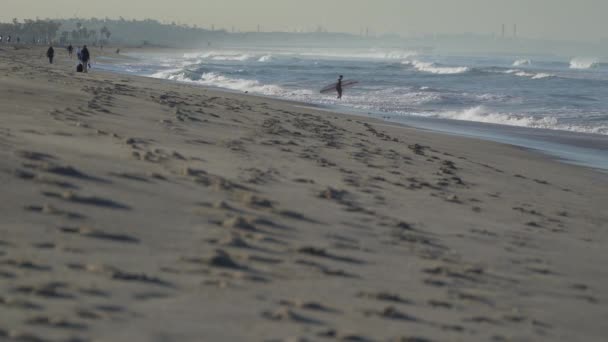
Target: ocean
[{"x": 558, "y": 105}]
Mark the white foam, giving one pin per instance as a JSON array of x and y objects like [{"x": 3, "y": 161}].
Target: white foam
[
  {"x": 542, "y": 75},
  {"x": 522, "y": 62},
  {"x": 213, "y": 79},
  {"x": 238, "y": 58},
  {"x": 265, "y": 59},
  {"x": 220, "y": 56},
  {"x": 483, "y": 115},
  {"x": 436, "y": 69},
  {"x": 373, "y": 54},
  {"x": 584, "y": 63},
  {"x": 218, "y": 80},
  {"x": 531, "y": 75},
  {"x": 167, "y": 74}
]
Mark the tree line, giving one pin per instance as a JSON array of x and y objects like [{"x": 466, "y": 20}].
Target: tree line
[
  {"x": 30, "y": 31},
  {"x": 96, "y": 32},
  {"x": 47, "y": 31}
]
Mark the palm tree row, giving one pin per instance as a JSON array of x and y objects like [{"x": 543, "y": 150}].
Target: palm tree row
[{"x": 30, "y": 31}]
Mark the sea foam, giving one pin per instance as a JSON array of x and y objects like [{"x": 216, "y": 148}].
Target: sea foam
[
  {"x": 485, "y": 115},
  {"x": 584, "y": 63},
  {"x": 434, "y": 68},
  {"x": 522, "y": 62}
]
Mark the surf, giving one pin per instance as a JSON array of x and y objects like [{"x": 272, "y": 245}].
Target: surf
[
  {"x": 584, "y": 63},
  {"x": 435, "y": 68}
]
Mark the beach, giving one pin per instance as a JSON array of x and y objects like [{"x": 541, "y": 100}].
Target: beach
[{"x": 137, "y": 209}]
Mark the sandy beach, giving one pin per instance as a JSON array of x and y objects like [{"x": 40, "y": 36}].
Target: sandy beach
[{"x": 135, "y": 209}]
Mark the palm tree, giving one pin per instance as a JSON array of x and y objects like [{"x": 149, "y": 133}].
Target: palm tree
[
  {"x": 108, "y": 33},
  {"x": 105, "y": 32}
]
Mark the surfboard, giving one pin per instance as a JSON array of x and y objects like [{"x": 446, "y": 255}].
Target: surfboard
[{"x": 332, "y": 87}]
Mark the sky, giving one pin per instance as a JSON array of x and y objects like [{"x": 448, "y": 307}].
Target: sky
[{"x": 580, "y": 20}]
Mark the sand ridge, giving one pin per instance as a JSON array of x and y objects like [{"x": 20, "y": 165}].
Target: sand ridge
[{"x": 136, "y": 209}]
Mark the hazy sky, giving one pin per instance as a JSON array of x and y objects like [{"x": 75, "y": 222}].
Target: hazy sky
[{"x": 567, "y": 19}]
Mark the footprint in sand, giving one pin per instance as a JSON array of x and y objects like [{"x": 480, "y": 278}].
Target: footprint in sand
[
  {"x": 322, "y": 253},
  {"x": 50, "y": 210},
  {"x": 99, "y": 234},
  {"x": 385, "y": 297},
  {"x": 286, "y": 314},
  {"x": 56, "y": 323},
  {"x": 87, "y": 200}
]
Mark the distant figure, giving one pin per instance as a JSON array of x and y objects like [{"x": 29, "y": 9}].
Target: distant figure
[
  {"x": 18, "y": 40},
  {"x": 339, "y": 87},
  {"x": 85, "y": 58},
  {"x": 118, "y": 51},
  {"x": 50, "y": 53},
  {"x": 70, "y": 50},
  {"x": 79, "y": 54},
  {"x": 1, "y": 39},
  {"x": 8, "y": 40}
]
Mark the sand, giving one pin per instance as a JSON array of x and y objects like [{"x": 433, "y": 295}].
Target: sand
[{"x": 135, "y": 209}]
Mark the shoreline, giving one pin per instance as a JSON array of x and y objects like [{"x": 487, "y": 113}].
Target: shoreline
[
  {"x": 578, "y": 148},
  {"x": 135, "y": 209}
]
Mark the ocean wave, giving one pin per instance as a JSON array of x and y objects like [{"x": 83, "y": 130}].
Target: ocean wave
[
  {"x": 542, "y": 75},
  {"x": 213, "y": 79},
  {"x": 390, "y": 55},
  {"x": 435, "y": 68},
  {"x": 522, "y": 62},
  {"x": 217, "y": 80},
  {"x": 265, "y": 59},
  {"x": 167, "y": 74},
  {"x": 584, "y": 63},
  {"x": 484, "y": 115},
  {"x": 220, "y": 56},
  {"x": 534, "y": 76}
]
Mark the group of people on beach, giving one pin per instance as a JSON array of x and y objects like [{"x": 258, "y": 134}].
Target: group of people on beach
[
  {"x": 83, "y": 55},
  {"x": 8, "y": 39}
]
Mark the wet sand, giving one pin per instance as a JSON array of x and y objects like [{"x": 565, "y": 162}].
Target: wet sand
[{"x": 136, "y": 209}]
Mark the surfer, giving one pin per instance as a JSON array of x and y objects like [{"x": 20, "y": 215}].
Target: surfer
[{"x": 339, "y": 87}]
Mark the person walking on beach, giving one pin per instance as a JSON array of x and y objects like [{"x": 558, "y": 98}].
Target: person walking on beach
[
  {"x": 85, "y": 58},
  {"x": 50, "y": 53},
  {"x": 79, "y": 54},
  {"x": 70, "y": 50},
  {"x": 339, "y": 87}
]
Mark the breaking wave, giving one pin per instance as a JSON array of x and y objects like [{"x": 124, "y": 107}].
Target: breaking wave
[
  {"x": 435, "y": 68},
  {"x": 221, "y": 56},
  {"x": 214, "y": 79},
  {"x": 522, "y": 62},
  {"x": 483, "y": 115},
  {"x": 266, "y": 59},
  {"x": 534, "y": 76},
  {"x": 381, "y": 55},
  {"x": 584, "y": 63}
]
